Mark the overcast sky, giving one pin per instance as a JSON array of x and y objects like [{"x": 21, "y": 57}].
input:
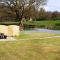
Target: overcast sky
[{"x": 53, "y": 5}]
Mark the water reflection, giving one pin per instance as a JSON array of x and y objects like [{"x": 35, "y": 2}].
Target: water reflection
[
  {"x": 42, "y": 30},
  {"x": 47, "y": 30}
]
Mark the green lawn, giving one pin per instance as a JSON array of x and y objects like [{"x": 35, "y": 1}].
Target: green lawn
[
  {"x": 50, "y": 24},
  {"x": 46, "y": 22},
  {"x": 34, "y": 49}
]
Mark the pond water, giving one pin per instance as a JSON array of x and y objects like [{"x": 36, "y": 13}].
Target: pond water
[{"x": 43, "y": 30}]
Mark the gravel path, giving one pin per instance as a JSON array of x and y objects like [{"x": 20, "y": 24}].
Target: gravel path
[
  {"x": 14, "y": 39},
  {"x": 41, "y": 38},
  {"x": 8, "y": 39}
]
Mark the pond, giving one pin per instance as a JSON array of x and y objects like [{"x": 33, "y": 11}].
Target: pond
[{"x": 42, "y": 30}]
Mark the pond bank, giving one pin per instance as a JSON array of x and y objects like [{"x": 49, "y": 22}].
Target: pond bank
[{"x": 42, "y": 30}]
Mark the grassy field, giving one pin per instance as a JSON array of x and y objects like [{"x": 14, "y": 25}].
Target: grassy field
[
  {"x": 37, "y": 23},
  {"x": 31, "y": 48},
  {"x": 51, "y": 24}
]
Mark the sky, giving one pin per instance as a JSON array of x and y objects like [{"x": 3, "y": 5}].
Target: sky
[{"x": 53, "y": 5}]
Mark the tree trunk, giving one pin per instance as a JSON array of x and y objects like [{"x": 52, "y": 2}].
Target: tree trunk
[
  {"x": 21, "y": 25},
  {"x": 22, "y": 20},
  {"x": 17, "y": 15},
  {"x": 20, "y": 17}
]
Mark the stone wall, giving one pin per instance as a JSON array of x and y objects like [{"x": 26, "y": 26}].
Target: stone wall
[{"x": 11, "y": 30}]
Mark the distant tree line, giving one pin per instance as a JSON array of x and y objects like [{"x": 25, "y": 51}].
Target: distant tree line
[
  {"x": 29, "y": 13},
  {"x": 7, "y": 15},
  {"x": 48, "y": 15}
]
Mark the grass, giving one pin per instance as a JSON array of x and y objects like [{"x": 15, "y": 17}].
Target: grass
[
  {"x": 35, "y": 49},
  {"x": 37, "y": 23},
  {"x": 50, "y": 24},
  {"x": 34, "y": 35},
  {"x": 9, "y": 23},
  {"x": 42, "y": 22}
]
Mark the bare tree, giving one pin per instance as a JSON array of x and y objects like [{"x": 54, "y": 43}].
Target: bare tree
[{"x": 18, "y": 7}]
